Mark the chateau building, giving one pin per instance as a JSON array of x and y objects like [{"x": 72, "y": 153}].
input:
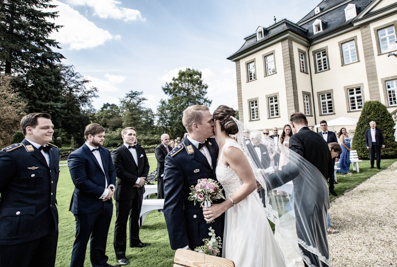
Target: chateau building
[{"x": 341, "y": 54}]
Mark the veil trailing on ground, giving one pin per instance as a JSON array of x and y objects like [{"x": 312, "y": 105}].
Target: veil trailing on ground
[{"x": 295, "y": 197}]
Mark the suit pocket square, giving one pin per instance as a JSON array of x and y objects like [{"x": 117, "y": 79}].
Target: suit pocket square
[{"x": 141, "y": 156}]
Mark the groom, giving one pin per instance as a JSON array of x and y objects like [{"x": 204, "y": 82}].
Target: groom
[{"x": 193, "y": 159}]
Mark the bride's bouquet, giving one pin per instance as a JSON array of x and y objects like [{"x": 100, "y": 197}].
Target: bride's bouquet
[
  {"x": 205, "y": 192},
  {"x": 212, "y": 245}
]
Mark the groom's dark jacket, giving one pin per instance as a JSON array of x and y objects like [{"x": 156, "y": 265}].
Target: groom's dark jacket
[{"x": 184, "y": 166}]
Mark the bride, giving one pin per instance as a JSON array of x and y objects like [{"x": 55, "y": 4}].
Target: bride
[{"x": 248, "y": 238}]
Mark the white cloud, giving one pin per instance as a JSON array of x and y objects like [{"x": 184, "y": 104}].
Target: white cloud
[
  {"x": 115, "y": 78},
  {"x": 171, "y": 74},
  {"x": 102, "y": 85},
  {"x": 78, "y": 32},
  {"x": 109, "y": 9}
]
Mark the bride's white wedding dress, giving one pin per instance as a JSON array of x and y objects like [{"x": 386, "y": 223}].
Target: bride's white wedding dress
[{"x": 248, "y": 238}]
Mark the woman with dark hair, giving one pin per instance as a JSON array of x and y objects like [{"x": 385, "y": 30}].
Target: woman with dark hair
[
  {"x": 284, "y": 145},
  {"x": 248, "y": 238},
  {"x": 344, "y": 161}
]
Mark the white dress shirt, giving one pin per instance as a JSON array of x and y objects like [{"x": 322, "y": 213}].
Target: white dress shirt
[
  {"x": 325, "y": 136},
  {"x": 204, "y": 150},
  {"x": 373, "y": 135},
  {"x": 258, "y": 152},
  {"x": 135, "y": 156},
  {"x": 45, "y": 154},
  {"x": 99, "y": 159}
]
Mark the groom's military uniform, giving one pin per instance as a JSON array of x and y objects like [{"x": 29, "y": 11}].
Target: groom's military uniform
[{"x": 184, "y": 166}]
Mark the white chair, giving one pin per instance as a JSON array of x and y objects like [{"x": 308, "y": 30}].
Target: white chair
[
  {"x": 149, "y": 189},
  {"x": 149, "y": 205},
  {"x": 355, "y": 160},
  {"x": 335, "y": 169}
]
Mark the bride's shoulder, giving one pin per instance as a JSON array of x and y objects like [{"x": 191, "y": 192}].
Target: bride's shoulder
[{"x": 231, "y": 146}]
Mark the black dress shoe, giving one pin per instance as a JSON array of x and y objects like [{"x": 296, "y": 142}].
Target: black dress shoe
[
  {"x": 123, "y": 261},
  {"x": 140, "y": 245},
  {"x": 333, "y": 192}
]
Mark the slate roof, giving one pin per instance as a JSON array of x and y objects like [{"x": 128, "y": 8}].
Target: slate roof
[{"x": 333, "y": 19}]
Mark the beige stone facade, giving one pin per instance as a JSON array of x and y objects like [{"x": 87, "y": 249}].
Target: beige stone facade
[{"x": 325, "y": 75}]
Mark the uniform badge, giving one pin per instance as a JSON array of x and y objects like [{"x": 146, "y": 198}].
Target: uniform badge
[
  {"x": 33, "y": 168},
  {"x": 196, "y": 170},
  {"x": 210, "y": 143},
  {"x": 190, "y": 149},
  {"x": 29, "y": 148}
]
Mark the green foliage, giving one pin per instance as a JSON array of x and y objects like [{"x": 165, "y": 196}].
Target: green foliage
[
  {"x": 113, "y": 139},
  {"x": 18, "y": 137},
  {"x": 375, "y": 111},
  {"x": 109, "y": 116},
  {"x": 185, "y": 90}
]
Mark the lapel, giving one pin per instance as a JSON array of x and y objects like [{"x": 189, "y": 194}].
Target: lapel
[
  {"x": 327, "y": 137},
  {"x": 255, "y": 156},
  {"x": 197, "y": 155},
  {"x": 104, "y": 159},
  {"x": 139, "y": 153},
  {"x": 91, "y": 156},
  {"x": 164, "y": 149},
  {"x": 214, "y": 154},
  {"x": 129, "y": 155},
  {"x": 53, "y": 158},
  {"x": 36, "y": 153}
]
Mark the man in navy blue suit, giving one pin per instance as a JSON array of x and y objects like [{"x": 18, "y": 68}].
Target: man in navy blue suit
[
  {"x": 28, "y": 180},
  {"x": 93, "y": 174},
  {"x": 329, "y": 137},
  {"x": 193, "y": 159},
  {"x": 374, "y": 141}
]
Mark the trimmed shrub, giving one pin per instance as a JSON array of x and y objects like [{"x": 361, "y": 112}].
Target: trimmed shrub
[
  {"x": 18, "y": 137},
  {"x": 375, "y": 111},
  {"x": 113, "y": 139}
]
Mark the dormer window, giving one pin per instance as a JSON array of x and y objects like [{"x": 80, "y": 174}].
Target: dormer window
[
  {"x": 317, "y": 26},
  {"x": 260, "y": 33},
  {"x": 317, "y": 10},
  {"x": 350, "y": 11}
]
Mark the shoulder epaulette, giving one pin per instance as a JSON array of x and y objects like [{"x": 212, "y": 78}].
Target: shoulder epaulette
[
  {"x": 176, "y": 150},
  {"x": 12, "y": 147},
  {"x": 52, "y": 145}
]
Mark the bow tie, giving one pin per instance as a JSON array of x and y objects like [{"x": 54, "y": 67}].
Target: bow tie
[
  {"x": 256, "y": 146},
  {"x": 201, "y": 145},
  {"x": 325, "y": 132},
  {"x": 95, "y": 149},
  {"x": 45, "y": 148},
  {"x": 133, "y": 147}
]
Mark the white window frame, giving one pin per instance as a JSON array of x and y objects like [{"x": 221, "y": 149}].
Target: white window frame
[
  {"x": 254, "y": 109},
  {"x": 250, "y": 71},
  {"x": 306, "y": 104},
  {"x": 326, "y": 103},
  {"x": 350, "y": 12},
  {"x": 391, "y": 92},
  {"x": 260, "y": 33},
  {"x": 274, "y": 111},
  {"x": 302, "y": 61},
  {"x": 317, "y": 26},
  {"x": 356, "y": 98},
  {"x": 321, "y": 58},
  {"x": 317, "y": 10},
  {"x": 269, "y": 64},
  {"x": 349, "y": 52},
  {"x": 389, "y": 38}
]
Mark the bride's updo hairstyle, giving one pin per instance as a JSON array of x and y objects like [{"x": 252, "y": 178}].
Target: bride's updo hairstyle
[{"x": 223, "y": 114}]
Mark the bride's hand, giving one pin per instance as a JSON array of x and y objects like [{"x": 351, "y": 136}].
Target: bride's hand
[{"x": 213, "y": 212}]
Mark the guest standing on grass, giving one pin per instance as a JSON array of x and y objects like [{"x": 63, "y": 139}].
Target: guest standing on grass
[
  {"x": 344, "y": 161},
  {"x": 28, "y": 183},
  {"x": 132, "y": 168},
  {"x": 161, "y": 152},
  {"x": 329, "y": 137},
  {"x": 374, "y": 141},
  {"x": 94, "y": 176}
]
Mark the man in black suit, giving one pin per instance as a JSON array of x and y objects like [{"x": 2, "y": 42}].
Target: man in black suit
[
  {"x": 312, "y": 147},
  {"x": 28, "y": 183},
  {"x": 193, "y": 159},
  {"x": 329, "y": 137},
  {"x": 94, "y": 176},
  {"x": 132, "y": 167},
  {"x": 374, "y": 141},
  {"x": 161, "y": 152},
  {"x": 261, "y": 157}
]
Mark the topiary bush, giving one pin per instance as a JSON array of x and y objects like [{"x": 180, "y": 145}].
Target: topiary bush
[
  {"x": 18, "y": 137},
  {"x": 375, "y": 111}
]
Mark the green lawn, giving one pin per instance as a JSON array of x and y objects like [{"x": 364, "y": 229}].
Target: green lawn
[{"x": 154, "y": 229}]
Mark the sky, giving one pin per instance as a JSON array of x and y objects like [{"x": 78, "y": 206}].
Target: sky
[{"x": 141, "y": 44}]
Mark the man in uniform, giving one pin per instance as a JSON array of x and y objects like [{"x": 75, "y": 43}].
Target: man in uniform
[
  {"x": 28, "y": 181},
  {"x": 195, "y": 158}
]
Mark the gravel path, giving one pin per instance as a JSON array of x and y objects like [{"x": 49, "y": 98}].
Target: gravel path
[{"x": 366, "y": 218}]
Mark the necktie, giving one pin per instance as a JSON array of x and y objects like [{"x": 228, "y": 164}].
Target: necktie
[
  {"x": 133, "y": 147},
  {"x": 166, "y": 147},
  {"x": 45, "y": 148},
  {"x": 201, "y": 145},
  {"x": 95, "y": 149}
]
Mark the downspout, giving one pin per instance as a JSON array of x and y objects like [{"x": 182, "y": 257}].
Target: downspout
[{"x": 311, "y": 84}]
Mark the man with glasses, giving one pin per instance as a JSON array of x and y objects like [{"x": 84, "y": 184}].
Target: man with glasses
[{"x": 246, "y": 135}]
